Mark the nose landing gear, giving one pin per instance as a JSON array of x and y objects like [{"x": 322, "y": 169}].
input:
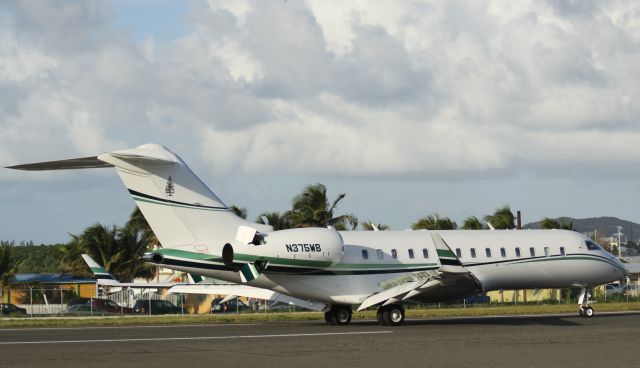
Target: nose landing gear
[{"x": 586, "y": 311}]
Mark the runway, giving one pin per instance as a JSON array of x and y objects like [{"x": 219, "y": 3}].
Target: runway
[{"x": 550, "y": 341}]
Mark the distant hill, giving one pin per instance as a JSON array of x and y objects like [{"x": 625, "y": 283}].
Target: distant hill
[{"x": 606, "y": 226}]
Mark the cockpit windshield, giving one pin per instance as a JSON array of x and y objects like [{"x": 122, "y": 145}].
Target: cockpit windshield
[{"x": 591, "y": 245}]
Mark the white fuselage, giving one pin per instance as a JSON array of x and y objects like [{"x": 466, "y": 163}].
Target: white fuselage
[{"x": 503, "y": 259}]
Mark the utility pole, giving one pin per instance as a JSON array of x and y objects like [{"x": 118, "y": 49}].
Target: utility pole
[{"x": 619, "y": 245}]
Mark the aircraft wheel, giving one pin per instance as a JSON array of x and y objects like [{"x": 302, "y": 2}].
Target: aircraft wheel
[
  {"x": 393, "y": 315},
  {"x": 341, "y": 315},
  {"x": 327, "y": 317},
  {"x": 581, "y": 312},
  {"x": 380, "y": 316},
  {"x": 588, "y": 312}
]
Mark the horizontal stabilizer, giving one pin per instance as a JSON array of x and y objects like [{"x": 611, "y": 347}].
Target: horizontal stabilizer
[
  {"x": 91, "y": 162},
  {"x": 247, "y": 291}
]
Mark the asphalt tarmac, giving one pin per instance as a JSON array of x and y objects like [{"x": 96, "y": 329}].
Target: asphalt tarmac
[{"x": 535, "y": 341}]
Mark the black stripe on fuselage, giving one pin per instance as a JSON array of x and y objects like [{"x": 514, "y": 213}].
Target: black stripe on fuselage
[
  {"x": 143, "y": 195},
  {"x": 290, "y": 270}
]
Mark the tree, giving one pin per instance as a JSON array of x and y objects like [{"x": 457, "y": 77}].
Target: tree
[
  {"x": 311, "y": 208},
  {"x": 502, "y": 218},
  {"x": 473, "y": 223},
  {"x": 138, "y": 221},
  {"x": 99, "y": 242},
  {"x": 549, "y": 223},
  {"x": 8, "y": 266},
  {"x": 434, "y": 222},
  {"x": 239, "y": 211},
  {"x": 132, "y": 244},
  {"x": 369, "y": 226},
  {"x": 275, "y": 219},
  {"x": 117, "y": 249}
]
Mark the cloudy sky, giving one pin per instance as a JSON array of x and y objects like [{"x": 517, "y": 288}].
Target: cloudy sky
[{"x": 409, "y": 107}]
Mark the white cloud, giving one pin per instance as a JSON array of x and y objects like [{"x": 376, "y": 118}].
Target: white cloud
[{"x": 331, "y": 87}]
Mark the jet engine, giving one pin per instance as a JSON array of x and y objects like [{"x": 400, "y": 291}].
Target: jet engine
[{"x": 310, "y": 247}]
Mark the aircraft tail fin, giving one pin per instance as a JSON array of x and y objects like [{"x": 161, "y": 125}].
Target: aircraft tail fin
[{"x": 181, "y": 210}]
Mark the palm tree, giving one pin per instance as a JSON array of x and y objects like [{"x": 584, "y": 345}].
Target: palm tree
[
  {"x": 99, "y": 242},
  {"x": 132, "y": 245},
  {"x": 138, "y": 221},
  {"x": 369, "y": 226},
  {"x": 311, "y": 208},
  {"x": 473, "y": 223},
  {"x": 8, "y": 266},
  {"x": 275, "y": 219},
  {"x": 502, "y": 218},
  {"x": 239, "y": 211},
  {"x": 549, "y": 223},
  {"x": 434, "y": 222}
]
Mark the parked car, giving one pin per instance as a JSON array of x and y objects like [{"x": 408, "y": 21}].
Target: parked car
[
  {"x": 612, "y": 289},
  {"x": 154, "y": 306},
  {"x": 98, "y": 306},
  {"x": 478, "y": 299},
  {"x": 231, "y": 306},
  {"x": 7, "y": 308}
]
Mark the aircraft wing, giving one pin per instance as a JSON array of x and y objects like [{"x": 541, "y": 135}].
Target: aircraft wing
[
  {"x": 451, "y": 280},
  {"x": 246, "y": 291}
]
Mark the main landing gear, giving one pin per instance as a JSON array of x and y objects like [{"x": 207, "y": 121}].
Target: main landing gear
[
  {"x": 390, "y": 315},
  {"x": 586, "y": 311},
  {"x": 338, "y": 315}
]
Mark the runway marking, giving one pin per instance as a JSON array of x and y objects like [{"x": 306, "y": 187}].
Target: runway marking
[
  {"x": 123, "y": 327},
  {"x": 195, "y": 338}
]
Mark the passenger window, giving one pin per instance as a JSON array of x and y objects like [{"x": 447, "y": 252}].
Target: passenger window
[
  {"x": 473, "y": 252},
  {"x": 458, "y": 252},
  {"x": 503, "y": 252},
  {"x": 411, "y": 253},
  {"x": 380, "y": 254},
  {"x": 365, "y": 254},
  {"x": 546, "y": 251},
  {"x": 518, "y": 252},
  {"x": 394, "y": 254},
  {"x": 532, "y": 251},
  {"x": 425, "y": 253},
  {"x": 488, "y": 251},
  {"x": 562, "y": 251}
]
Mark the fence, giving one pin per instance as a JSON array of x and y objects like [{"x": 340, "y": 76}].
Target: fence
[{"x": 64, "y": 302}]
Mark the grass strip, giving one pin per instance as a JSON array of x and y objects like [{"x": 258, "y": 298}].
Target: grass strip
[{"x": 431, "y": 312}]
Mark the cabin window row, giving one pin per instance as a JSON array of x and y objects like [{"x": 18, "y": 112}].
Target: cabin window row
[
  {"x": 394, "y": 253},
  {"x": 472, "y": 253},
  {"x": 503, "y": 252}
]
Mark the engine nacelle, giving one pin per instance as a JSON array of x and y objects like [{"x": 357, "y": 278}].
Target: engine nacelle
[{"x": 295, "y": 247}]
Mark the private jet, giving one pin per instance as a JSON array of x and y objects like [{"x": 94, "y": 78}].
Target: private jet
[{"x": 331, "y": 271}]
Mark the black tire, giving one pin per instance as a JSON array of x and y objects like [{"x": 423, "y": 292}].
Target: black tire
[
  {"x": 380, "y": 316},
  {"x": 581, "y": 312},
  {"x": 393, "y": 315},
  {"x": 327, "y": 317},
  {"x": 341, "y": 315},
  {"x": 589, "y": 312}
]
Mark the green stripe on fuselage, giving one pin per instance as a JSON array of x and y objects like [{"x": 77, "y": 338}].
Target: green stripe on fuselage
[{"x": 295, "y": 262}]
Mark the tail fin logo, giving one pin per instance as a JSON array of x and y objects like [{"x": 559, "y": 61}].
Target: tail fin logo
[{"x": 169, "y": 189}]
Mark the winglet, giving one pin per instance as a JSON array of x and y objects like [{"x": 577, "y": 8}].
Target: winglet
[
  {"x": 448, "y": 260},
  {"x": 100, "y": 273}
]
